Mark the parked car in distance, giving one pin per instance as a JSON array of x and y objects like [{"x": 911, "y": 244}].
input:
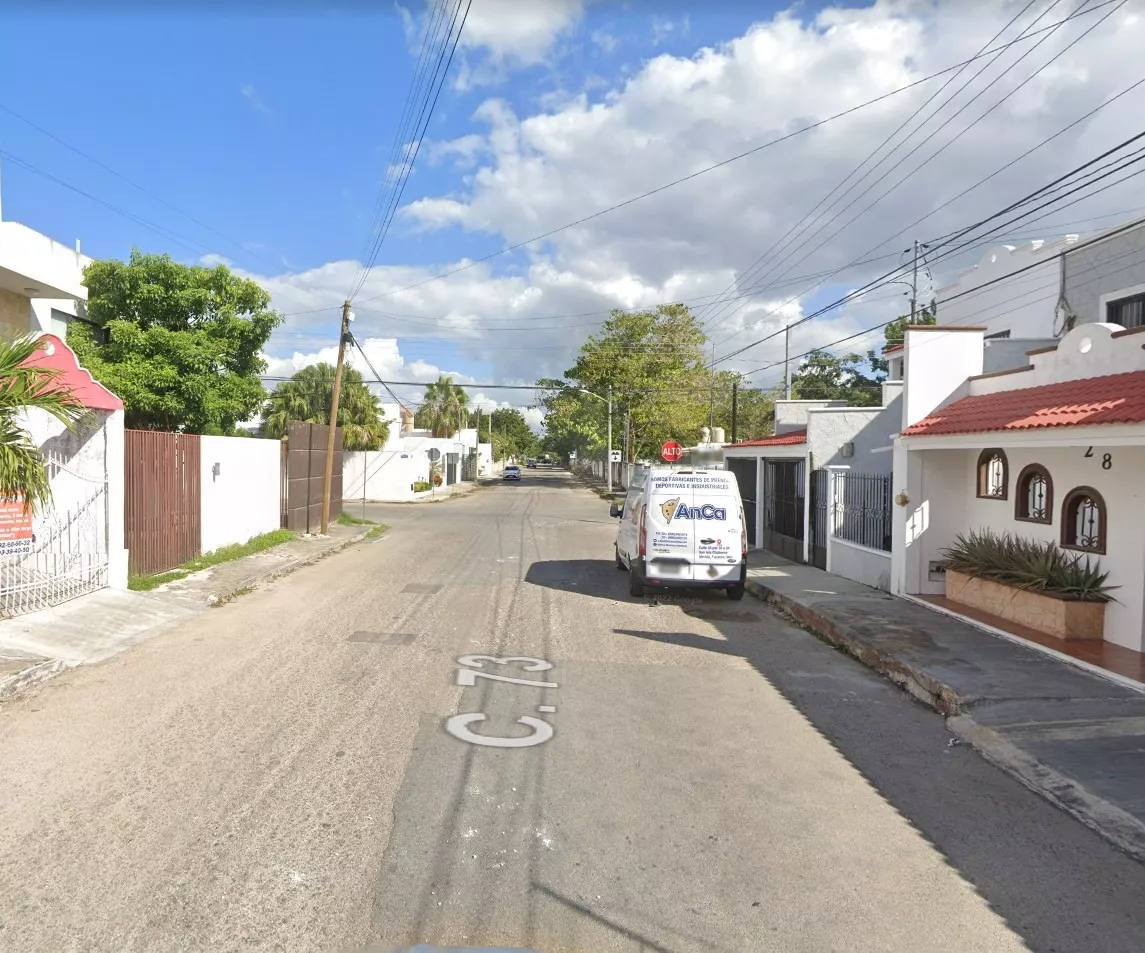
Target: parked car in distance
[
  {"x": 683, "y": 528},
  {"x": 531, "y": 463},
  {"x": 512, "y": 472}
]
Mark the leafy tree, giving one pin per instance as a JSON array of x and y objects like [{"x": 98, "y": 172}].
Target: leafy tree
[
  {"x": 24, "y": 388},
  {"x": 444, "y": 408},
  {"x": 181, "y": 344},
  {"x": 823, "y": 376},
  {"x": 755, "y": 408},
  {"x": 307, "y": 397},
  {"x": 509, "y": 432},
  {"x": 654, "y": 362}
]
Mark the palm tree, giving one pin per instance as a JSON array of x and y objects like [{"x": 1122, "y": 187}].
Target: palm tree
[
  {"x": 306, "y": 397},
  {"x": 25, "y": 387},
  {"x": 444, "y": 407}
]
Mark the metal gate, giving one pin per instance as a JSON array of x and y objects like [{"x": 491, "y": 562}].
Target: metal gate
[
  {"x": 67, "y": 556},
  {"x": 783, "y": 506},
  {"x": 819, "y": 518},
  {"x": 746, "y": 471},
  {"x": 162, "y": 511}
]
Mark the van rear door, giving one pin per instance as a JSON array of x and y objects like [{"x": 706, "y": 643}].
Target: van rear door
[
  {"x": 717, "y": 521},
  {"x": 671, "y": 545}
]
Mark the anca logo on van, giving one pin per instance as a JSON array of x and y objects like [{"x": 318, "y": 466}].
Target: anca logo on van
[{"x": 674, "y": 509}]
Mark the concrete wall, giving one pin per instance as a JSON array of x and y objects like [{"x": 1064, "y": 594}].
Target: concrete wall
[
  {"x": 383, "y": 475},
  {"x": 1004, "y": 354},
  {"x": 15, "y": 313},
  {"x": 792, "y": 414},
  {"x": 1024, "y": 305},
  {"x": 868, "y": 429},
  {"x": 55, "y": 269},
  {"x": 935, "y": 484},
  {"x": 1101, "y": 268},
  {"x": 939, "y": 359},
  {"x": 244, "y": 498},
  {"x": 860, "y": 563}
]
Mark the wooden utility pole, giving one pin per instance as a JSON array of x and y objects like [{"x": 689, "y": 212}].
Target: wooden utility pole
[
  {"x": 914, "y": 285},
  {"x": 735, "y": 407},
  {"x": 328, "y": 476}
]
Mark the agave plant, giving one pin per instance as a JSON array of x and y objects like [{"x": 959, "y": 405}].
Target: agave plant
[
  {"x": 24, "y": 387},
  {"x": 1028, "y": 564}
]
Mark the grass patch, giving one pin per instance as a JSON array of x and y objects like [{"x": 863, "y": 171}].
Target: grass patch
[
  {"x": 377, "y": 531},
  {"x": 226, "y": 554},
  {"x": 347, "y": 520}
]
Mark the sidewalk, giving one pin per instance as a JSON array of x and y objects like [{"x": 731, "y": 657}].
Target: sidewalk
[
  {"x": 104, "y": 623},
  {"x": 1074, "y": 737}
]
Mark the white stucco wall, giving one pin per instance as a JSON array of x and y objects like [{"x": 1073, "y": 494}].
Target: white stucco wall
[
  {"x": 245, "y": 498},
  {"x": 860, "y": 563},
  {"x": 1023, "y": 304},
  {"x": 382, "y": 475},
  {"x": 1124, "y": 495},
  {"x": 938, "y": 361},
  {"x": 868, "y": 429},
  {"x": 935, "y": 484}
]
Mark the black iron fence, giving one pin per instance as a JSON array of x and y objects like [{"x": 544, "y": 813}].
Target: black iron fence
[{"x": 863, "y": 508}]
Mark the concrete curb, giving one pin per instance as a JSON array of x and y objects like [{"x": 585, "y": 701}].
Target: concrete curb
[
  {"x": 1117, "y": 826},
  {"x": 222, "y": 598},
  {"x": 39, "y": 672}
]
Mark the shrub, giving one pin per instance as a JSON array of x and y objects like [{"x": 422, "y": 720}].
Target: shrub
[
  {"x": 1026, "y": 564},
  {"x": 421, "y": 486}
]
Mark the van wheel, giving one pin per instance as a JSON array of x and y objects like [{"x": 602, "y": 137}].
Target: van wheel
[
  {"x": 635, "y": 586},
  {"x": 735, "y": 593},
  {"x": 619, "y": 561}
]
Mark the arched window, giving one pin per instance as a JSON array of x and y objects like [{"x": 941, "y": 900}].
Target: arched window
[
  {"x": 1034, "y": 493},
  {"x": 1084, "y": 520},
  {"x": 993, "y": 475}
]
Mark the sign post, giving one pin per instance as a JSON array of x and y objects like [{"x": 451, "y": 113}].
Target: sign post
[
  {"x": 434, "y": 455},
  {"x": 671, "y": 451}
]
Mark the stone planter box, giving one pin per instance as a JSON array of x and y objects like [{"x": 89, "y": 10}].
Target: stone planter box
[{"x": 1049, "y": 614}]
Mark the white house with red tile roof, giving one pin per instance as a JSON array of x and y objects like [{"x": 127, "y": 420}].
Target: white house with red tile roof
[{"x": 1053, "y": 451}]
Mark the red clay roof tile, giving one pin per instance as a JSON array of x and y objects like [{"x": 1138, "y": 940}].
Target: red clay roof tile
[
  {"x": 779, "y": 440},
  {"x": 1112, "y": 399}
]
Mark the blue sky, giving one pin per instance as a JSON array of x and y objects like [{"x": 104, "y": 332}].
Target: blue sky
[{"x": 272, "y": 130}]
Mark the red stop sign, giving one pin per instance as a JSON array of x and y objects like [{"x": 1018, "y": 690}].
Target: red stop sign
[{"x": 671, "y": 451}]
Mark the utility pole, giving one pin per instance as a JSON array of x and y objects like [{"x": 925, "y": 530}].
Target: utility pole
[
  {"x": 787, "y": 362},
  {"x": 328, "y": 476},
  {"x": 735, "y": 407},
  {"x": 914, "y": 284},
  {"x": 712, "y": 395},
  {"x": 610, "y": 440}
]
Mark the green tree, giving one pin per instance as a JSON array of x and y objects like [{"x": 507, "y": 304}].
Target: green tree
[
  {"x": 444, "y": 408},
  {"x": 509, "y": 432},
  {"x": 307, "y": 397},
  {"x": 181, "y": 344},
  {"x": 655, "y": 364},
  {"x": 25, "y": 387},
  {"x": 895, "y": 332},
  {"x": 755, "y": 408},
  {"x": 823, "y": 376}
]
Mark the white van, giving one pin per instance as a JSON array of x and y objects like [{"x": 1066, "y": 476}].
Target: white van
[{"x": 683, "y": 528}]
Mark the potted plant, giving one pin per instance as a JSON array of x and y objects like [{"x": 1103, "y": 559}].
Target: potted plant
[{"x": 1036, "y": 584}]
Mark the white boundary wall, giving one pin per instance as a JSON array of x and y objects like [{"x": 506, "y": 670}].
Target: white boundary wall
[{"x": 244, "y": 497}]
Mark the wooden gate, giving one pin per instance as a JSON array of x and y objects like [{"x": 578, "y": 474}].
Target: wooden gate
[
  {"x": 161, "y": 512},
  {"x": 303, "y": 476}
]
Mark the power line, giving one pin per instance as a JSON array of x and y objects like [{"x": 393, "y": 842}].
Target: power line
[
  {"x": 883, "y": 279},
  {"x": 796, "y": 227},
  {"x": 693, "y": 175},
  {"x": 408, "y": 164},
  {"x": 962, "y": 132}
]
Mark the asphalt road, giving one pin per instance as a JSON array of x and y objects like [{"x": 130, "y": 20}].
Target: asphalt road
[{"x": 283, "y": 773}]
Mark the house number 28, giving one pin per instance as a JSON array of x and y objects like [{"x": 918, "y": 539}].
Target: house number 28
[{"x": 1106, "y": 458}]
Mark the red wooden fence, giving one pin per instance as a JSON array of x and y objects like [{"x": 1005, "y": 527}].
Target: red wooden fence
[{"x": 162, "y": 505}]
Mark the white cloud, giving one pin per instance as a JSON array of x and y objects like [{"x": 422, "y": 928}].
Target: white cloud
[
  {"x": 520, "y": 31},
  {"x": 250, "y": 94},
  {"x": 663, "y": 28},
  {"x": 674, "y": 115},
  {"x": 604, "y": 40}
]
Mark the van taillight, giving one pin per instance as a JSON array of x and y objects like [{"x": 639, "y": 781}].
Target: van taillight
[{"x": 643, "y": 533}]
